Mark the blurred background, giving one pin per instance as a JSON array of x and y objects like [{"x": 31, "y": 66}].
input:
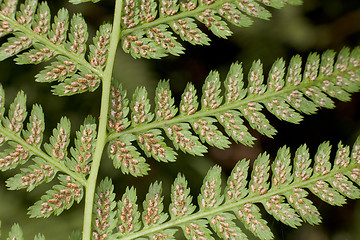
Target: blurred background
[{"x": 316, "y": 26}]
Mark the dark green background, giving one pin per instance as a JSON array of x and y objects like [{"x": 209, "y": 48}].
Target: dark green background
[{"x": 315, "y": 26}]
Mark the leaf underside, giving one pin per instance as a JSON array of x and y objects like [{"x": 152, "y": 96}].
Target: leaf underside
[
  {"x": 145, "y": 33},
  {"x": 149, "y": 30},
  {"x": 289, "y": 93},
  {"x": 283, "y": 194},
  {"x": 23, "y": 143},
  {"x": 148, "y": 25},
  {"x": 34, "y": 39}
]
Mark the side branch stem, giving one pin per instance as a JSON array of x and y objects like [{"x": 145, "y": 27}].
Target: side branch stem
[{"x": 102, "y": 133}]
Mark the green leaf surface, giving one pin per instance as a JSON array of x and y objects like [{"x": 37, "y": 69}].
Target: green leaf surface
[{"x": 104, "y": 215}]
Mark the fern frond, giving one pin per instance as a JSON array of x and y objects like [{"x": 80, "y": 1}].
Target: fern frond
[
  {"x": 16, "y": 233},
  {"x": 104, "y": 214},
  {"x": 282, "y": 194},
  {"x": 36, "y": 40},
  {"x": 127, "y": 210},
  {"x": 23, "y": 144},
  {"x": 84, "y": 147},
  {"x": 32, "y": 176},
  {"x": 58, "y": 199},
  {"x": 287, "y": 94},
  {"x": 146, "y": 23}
]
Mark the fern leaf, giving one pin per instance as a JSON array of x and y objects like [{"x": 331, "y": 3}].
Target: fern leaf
[
  {"x": 16, "y": 154},
  {"x": 153, "y": 206},
  {"x": 165, "y": 39},
  {"x": 35, "y": 128},
  {"x": 147, "y": 10},
  {"x": 26, "y": 144},
  {"x": 58, "y": 199},
  {"x": 197, "y": 230},
  {"x": 99, "y": 50},
  {"x": 129, "y": 216},
  {"x": 32, "y": 176},
  {"x": 322, "y": 168},
  {"x": 153, "y": 214},
  {"x": 126, "y": 156},
  {"x": 39, "y": 54},
  {"x": 275, "y": 204},
  {"x": 8, "y": 9},
  {"x": 14, "y": 45},
  {"x": 181, "y": 201},
  {"x": 85, "y": 81},
  {"x": 211, "y": 197},
  {"x": 57, "y": 34},
  {"x": 104, "y": 216},
  {"x": 42, "y": 26},
  {"x": 27, "y": 11},
  {"x": 17, "y": 114},
  {"x": 16, "y": 232},
  {"x": 259, "y": 178},
  {"x": 210, "y": 100},
  {"x": 231, "y": 13},
  {"x": 57, "y": 71},
  {"x": 122, "y": 152},
  {"x": 146, "y": 25},
  {"x": 35, "y": 39},
  {"x": 288, "y": 94},
  {"x": 241, "y": 197},
  {"x": 23, "y": 145},
  {"x": 225, "y": 227},
  {"x": 188, "y": 31},
  {"x": 179, "y": 134},
  {"x": 165, "y": 108},
  {"x": 42, "y": 19},
  {"x": 151, "y": 142},
  {"x": 39, "y": 237},
  {"x": 253, "y": 9},
  {"x": 78, "y": 35},
  {"x": 231, "y": 120},
  {"x": 153, "y": 145},
  {"x": 281, "y": 169},
  {"x": 59, "y": 141},
  {"x": 83, "y": 151},
  {"x": 210, "y": 191},
  {"x": 166, "y": 234},
  {"x": 181, "y": 206},
  {"x": 303, "y": 206},
  {"x": 141, "y": 106},
  {"x": 354, "y": 174},
  {"x": 340, "y": 181}
]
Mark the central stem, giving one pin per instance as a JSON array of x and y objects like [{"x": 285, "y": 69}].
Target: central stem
[{"x": 102, "y": 133}]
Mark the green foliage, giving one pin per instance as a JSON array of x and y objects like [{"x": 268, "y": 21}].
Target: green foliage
[
  {"x": 16, "y": 232},
  {"x": 147, "y": 33},
  {"x": 131, "y": 130},
  {"x": 33, "y": 29},
  {"x": 287, "y": 94},
  {"x": 282, "y": 194},
  {"x": 104, "y": 216}
]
